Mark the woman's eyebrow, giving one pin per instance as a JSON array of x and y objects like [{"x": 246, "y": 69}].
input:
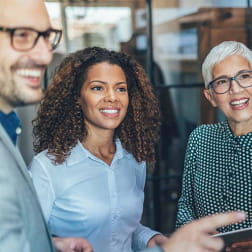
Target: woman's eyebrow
[{"x": 102, "y": 82}]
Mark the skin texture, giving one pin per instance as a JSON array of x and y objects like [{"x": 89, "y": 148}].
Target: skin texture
[
  {"x": 104, "y": 89},
  {"x": 21, "y": 73},
  {"x": 17, "y": 87},
  {"x": 72, "y": 245},
  {"x": 239, "y": 117},
  {"x": 157, "y": 240},
  {"x": 195, "y": 236},
  {"x": 104, "y": 100}
]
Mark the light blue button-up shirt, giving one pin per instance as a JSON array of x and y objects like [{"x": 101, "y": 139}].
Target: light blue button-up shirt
[{"x": 85, "y": 197}]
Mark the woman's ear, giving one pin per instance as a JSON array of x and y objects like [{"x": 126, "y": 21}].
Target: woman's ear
[{"x": 210, "y": 97}]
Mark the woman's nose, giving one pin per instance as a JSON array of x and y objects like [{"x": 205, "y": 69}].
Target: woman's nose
[
  {"x": 110, "y": 96},
  {"x": 235, "y": 86}
]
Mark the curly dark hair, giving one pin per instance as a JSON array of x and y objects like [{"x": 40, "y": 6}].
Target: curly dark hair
[{"x": 59, "y": 123}]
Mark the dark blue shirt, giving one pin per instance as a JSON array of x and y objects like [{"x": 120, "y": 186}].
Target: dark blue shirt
[
  {"x": 11, "y": 124},
  {"x": 217, "y": 175}
]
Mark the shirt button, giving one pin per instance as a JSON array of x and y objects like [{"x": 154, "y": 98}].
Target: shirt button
[{"x": 18, "y": 130}]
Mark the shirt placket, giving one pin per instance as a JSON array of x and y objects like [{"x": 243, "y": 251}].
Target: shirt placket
[{"x": 113, "y": 205}]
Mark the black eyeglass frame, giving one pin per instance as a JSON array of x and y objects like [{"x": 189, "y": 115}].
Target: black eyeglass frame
[
  {"x": 11, "y": 31},
  {"x": 210, "y": 84}
]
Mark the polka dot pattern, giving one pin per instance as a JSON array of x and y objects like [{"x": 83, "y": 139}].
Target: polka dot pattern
[{"x": 217, "y": 175}]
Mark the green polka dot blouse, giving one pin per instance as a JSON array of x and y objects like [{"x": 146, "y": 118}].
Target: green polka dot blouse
[{"x": 217, "y": 175}]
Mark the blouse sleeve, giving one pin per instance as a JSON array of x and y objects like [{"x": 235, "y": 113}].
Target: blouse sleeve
[
  {"x": 141, "y": 237},
  {"x": 43, "y": 186},
  {"x": 142, "y": 234},
  {"x": 186, "y": 211}
]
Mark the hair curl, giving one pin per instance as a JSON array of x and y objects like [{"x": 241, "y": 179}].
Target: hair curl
[{"x": 59, "y": 123}]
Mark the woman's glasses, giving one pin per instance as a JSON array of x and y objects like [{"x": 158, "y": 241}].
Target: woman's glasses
[{"x": 222, "y": 85}]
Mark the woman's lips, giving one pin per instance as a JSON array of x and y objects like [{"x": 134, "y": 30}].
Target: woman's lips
[
  {"x": 239, "y": 103},
  {"x": 110, "y": 112}
]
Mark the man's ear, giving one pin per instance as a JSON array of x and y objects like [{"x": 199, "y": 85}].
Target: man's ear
[{"x": 209, "y": 95}]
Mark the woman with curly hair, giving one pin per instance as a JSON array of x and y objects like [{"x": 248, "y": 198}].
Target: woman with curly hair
[{"x": 95, "y": 131}]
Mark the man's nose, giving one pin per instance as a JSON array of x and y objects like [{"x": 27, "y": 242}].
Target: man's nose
[{"x": 42, "y": 52}]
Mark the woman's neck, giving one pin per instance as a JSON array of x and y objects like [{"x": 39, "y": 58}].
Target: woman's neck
[
  {"x": 102, "y": 147},
  {"x": 240, "y": 128}
]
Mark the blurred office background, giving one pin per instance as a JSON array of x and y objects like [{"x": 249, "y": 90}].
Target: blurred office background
[{"x": 170, "y": 39}]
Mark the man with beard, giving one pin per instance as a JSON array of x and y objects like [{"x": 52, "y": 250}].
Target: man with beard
[{"x": 26, "y": 44}]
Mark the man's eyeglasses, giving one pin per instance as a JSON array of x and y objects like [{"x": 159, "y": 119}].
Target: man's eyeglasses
[
  {"x": 222, "y": 85},
  {"x": 24, "y": 39}
]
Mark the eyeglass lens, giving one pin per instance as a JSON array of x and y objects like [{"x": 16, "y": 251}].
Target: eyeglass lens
[
  {"x": 223, "y": 85},
  {"x": 25, "y": 39}
]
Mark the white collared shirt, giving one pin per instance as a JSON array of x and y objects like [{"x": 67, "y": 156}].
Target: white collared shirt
[{"x": 85, "y": 197}]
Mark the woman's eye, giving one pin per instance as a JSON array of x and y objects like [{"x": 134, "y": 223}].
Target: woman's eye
[
  {"x": 96, "y": 88},
  {"x": 245, "y": 76},
  {"x": 122, "y": 89},
  {"x": 221, "y": 82}
]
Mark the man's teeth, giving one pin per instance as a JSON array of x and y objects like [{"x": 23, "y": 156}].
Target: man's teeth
[
  {"x": 109, "y": 111},
  {"x": 29, "y": 73},
  {"x": 239, "y": 102}
]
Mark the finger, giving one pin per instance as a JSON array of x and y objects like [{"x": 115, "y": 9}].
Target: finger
[
  {"x": 82, "y": 249},
  {"x": 245, "y": 244},
  {"x": 241, "y": 250},
  {"x": 87, "y": 250},
  {"x": 210, "y": 223},
  {"x": 213, "y": 244}
]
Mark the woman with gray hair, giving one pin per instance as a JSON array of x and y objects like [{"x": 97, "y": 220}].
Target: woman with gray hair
[{"x": 217, "y": 173}]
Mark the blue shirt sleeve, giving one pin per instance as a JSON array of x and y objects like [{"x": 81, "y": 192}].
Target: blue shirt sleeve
[
  {"x": 43, "y": 186},
  {"x": 142, "y": 234},
  {"x": 141, "y": 237}
]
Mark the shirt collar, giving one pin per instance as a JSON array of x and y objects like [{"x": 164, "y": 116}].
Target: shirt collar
[
  {"x": 243, "y": 140},
  {"x": 11, "y": 124},
  {"x": 79, "y": 153}
]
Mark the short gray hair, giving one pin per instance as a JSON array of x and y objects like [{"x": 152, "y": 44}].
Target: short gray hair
[{"x": 219, "y": 53}]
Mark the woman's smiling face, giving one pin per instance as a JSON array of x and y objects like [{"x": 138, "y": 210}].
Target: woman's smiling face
[
  {"x": 236, "y": 104},
  {"x": 104, "y": 96}
]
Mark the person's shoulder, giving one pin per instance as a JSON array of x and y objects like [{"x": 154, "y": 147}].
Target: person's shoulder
[
  {"x": 130, "y": 159},
  {"x": 43, "y": 158},
  {"x": 41, "y": 155}
]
